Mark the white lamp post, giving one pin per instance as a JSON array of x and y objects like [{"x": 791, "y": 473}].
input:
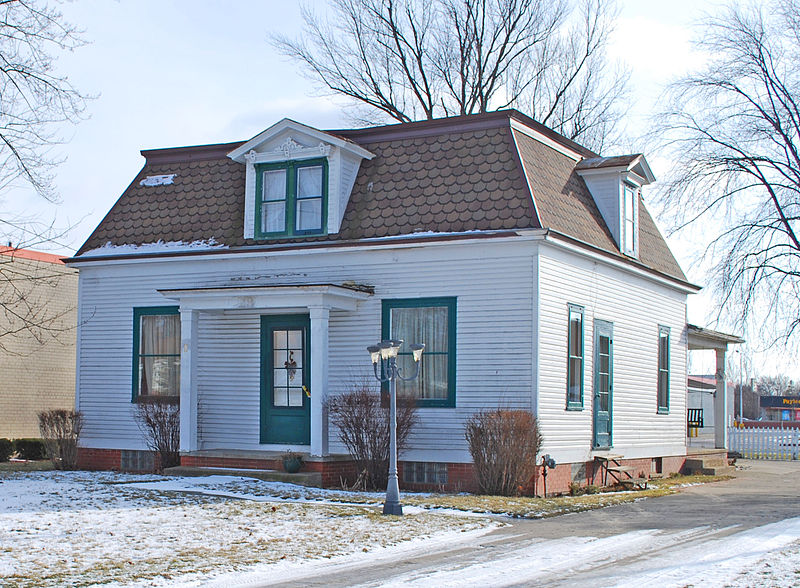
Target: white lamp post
[{"x": 385, "y": 353}]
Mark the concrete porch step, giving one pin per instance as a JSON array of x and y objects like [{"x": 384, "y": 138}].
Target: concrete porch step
[
  {"x": 725, "y": 470},
  {"x": 698, "y": 463},
  {"x": 302, "y": 478}
]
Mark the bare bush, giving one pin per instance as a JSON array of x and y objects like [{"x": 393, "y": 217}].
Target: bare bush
[
  {"x": 159, "y": 421},
  {"x": 504, "y": 445},
  {"x": 363, "y": 423},
  {"x": 61, "y": 430}
]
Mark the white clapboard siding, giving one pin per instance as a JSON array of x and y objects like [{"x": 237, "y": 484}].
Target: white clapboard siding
[
  {"x": 636, "y": 306},
  {"x": 497, "y": 354},
  {"x": 492, "y": 282}
]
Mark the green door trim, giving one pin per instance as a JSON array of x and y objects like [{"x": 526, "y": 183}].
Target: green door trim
[
  {"x": 296, "y": 421},
  {"x": 602, "y": 421}
]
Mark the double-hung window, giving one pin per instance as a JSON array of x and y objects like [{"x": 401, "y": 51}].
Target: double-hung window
[
  {"x": 630, "y": 203},
  {"x": 575, "y": 358},
  {"x": 431, "y": 321},
  {"x": 663, "y": 370},
  {"x": 291, "y": 198},
  {"x": 156, "y": 352}
]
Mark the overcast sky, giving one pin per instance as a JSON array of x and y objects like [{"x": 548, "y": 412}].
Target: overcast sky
[{"x": 192, "y": 72}]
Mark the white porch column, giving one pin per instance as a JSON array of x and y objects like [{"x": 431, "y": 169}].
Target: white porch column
[
  {"x": 720, "y": 404},
  {"x": 188, "y": 380},
  {"x": 319, "y": 316}
]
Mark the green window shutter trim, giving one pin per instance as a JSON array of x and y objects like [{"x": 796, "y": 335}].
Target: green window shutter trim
[
  {"x": 576, "y": 405},
  {"x": 450, "y": 303},
  {"x": 291, "y": 168}
]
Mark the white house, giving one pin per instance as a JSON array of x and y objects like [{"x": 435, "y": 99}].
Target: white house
[{"x": 232, "y": 275}]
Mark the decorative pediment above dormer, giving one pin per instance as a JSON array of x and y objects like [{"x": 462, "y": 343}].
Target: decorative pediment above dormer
[
  {"x": 616, "y": 186},
  {"x": 298, "y": 180}
]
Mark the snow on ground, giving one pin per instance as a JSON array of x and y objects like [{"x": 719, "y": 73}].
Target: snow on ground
[
  {"x": 78, "y": 528},
  {"x": 68, "y": 528}
]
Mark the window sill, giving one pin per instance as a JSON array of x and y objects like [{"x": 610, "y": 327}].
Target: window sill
[
  {"x": 176, "y": 400},
  {"x": 578, "y": 406},
  {"x": 662, "y": 411},
  {"x": 435, "y": 404}
]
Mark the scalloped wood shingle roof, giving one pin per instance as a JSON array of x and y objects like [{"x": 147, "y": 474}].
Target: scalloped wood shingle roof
[{"x": 450, "y": 175}]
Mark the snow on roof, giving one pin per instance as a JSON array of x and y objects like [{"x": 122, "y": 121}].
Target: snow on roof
[{"x": 157, "y": 247}]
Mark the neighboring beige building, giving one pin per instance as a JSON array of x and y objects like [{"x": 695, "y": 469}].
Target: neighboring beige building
[{"x": 38, "y": 320}]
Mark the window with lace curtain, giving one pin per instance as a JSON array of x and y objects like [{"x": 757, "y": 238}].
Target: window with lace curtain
[
  {"x": 156, "y": 352},
  {"x": 431, "y": 321}
]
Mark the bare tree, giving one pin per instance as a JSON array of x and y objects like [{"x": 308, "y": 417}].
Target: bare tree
[
  {"x": 574, "y": 89},
  {"x": 733, "y": 130},
  {"x": 35, "y": 101},
  {"x": 780, "y": 385},
  {"x": 33, "y": 311},
  {"x": 421, "y": 59}
]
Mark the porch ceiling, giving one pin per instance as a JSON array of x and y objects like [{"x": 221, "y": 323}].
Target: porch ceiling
[
  {"x": 268, "y": 297},
  {"x": 702, "y": 338}
]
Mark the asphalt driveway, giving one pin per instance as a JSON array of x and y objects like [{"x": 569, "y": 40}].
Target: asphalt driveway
[{"x": 674, "y": 540}]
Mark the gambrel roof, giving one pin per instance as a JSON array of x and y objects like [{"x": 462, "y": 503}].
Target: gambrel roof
[{"x": 469, "y": 176}]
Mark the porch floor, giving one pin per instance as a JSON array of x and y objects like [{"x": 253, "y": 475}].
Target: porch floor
[
  {"x": 302, "y": 478},
  {"x": 260, "y": 455}
]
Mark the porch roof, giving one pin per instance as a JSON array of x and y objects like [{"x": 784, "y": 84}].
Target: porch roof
[
  {"x": 330, "y": 296},
  {"x": 703, "y": 338}
]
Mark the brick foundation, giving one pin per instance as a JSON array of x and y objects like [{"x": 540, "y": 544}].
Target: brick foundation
[
  {"x": 460, "y": 476},
  {"x": 99, "y": 459}
]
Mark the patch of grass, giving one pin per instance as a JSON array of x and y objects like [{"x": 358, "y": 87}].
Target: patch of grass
[
  {"x": 536, "y": 508},
  {"x": 26, "y": 466}
]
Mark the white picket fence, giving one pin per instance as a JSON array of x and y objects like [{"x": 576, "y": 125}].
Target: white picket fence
[{"x": 783, "y": 444}]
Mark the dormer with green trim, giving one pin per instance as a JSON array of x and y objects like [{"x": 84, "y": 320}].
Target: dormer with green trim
[{"x": 298, "y": 180}]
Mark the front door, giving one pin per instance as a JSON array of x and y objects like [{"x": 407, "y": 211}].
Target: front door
[
  {"x": 285, "y": 371},
  {"x": 603, "y": 383}
]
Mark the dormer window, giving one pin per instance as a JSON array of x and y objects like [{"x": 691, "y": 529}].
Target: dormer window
[
  {"x": 292, "y": 198},
  {"x": 630, "y": 228},
  {"x": 615, "y": 184},
  {"x": 298, "y": 180}
]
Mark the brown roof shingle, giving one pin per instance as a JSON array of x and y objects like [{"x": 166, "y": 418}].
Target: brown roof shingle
[
  {"x": 452, "y": 182},
  {"x": 565, "y": 204},
  {"x": 463, "y": 175}
]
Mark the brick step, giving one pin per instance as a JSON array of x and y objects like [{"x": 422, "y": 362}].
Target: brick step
[{"x": 302, "y": 478}]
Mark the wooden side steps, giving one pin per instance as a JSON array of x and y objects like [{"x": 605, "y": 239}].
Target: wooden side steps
[{"x": 621, "y": 474}]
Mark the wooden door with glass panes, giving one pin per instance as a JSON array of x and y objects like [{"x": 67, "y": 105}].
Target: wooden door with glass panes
[{"x": 285, "y": 379}]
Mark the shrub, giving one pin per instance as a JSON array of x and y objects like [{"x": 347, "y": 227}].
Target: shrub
[
  {"x": 159, "y": 421},
  {"x": 363, "y": 423},
  {"x": 30, "y": 449},
  {"x": 6, "y": 449},
  {"x": 504, "y": 445},
  {"x": 575, "y": 489},
  {"x": 60, "y": 430}
]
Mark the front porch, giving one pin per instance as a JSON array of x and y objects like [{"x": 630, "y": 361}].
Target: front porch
[{"x": 295, "y": 403}]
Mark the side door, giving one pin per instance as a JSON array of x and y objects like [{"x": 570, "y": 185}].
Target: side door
[{"x": 603, "y": 399}]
